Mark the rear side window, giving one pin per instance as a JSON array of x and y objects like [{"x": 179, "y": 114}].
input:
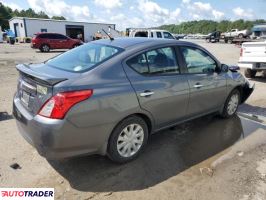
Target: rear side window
[
  {"x": 141, "y": 34},
  {"x": 167, "y": 35},
  {"x": 159, "y": 34},
  {"x": 84, "y": 57},
  {"x": 139, "y": 64},
  {"x": 60, "y": 37},
  {"x": 160, "y": 61},
  {"x": 43, "y": 36}
]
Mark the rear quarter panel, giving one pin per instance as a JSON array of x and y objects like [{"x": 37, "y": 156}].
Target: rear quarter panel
[{"x": 113, "y": 98}]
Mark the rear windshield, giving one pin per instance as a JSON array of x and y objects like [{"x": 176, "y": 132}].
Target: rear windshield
[{"x": 84, "y": 57}]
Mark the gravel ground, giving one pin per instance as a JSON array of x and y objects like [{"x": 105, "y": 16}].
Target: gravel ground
[{"x": 208, "y": 158}]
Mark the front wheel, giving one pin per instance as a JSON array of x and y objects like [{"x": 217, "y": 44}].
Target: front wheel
[
  {"x": 231, "y": 104},
  {"x": 128, "y": 140}
]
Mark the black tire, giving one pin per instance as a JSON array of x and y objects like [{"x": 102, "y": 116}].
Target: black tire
[
  {"x": 240, "y": 36},
  {"x": 75, "y": 45},
  {"x": 45, "y": 48},
  {"x": 112, "y": 150},
  {"x": 249, "y": 73},
  {"x": 225, "y": 113}
]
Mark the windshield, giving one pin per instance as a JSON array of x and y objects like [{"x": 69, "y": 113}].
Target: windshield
[{"x": 84, "y": 57}]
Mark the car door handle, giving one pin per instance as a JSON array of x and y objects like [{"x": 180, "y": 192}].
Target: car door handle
[
  {"x": 198, "y": 86},
  {"x": 146, "y": 94}
]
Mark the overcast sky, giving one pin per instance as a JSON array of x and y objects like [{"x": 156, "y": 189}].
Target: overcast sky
[{"x": 145, "y": 13}]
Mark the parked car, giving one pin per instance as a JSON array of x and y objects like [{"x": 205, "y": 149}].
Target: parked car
[
  {"x": 213, "y": 37},
  {"x": 47, "y": 41},
  {"x": 108, "y": 96},
  {"x": 253, "y": 58},
  {"x": 151, "y": 33}
]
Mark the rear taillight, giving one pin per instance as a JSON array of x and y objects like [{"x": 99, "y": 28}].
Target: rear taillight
[
  {"x": 57, "y": 106},
  {"x": 241, "y": 52}
]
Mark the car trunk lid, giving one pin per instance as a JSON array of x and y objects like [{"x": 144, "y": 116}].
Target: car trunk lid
[{"x": 36, "y": 83}]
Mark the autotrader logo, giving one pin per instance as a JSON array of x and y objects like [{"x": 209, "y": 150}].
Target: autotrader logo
[{"x": 27, "y": 193}]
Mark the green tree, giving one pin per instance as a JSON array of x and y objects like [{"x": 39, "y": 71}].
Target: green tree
[
  {"x": 207, "y": 26},
  {"x": 5, "y": 15},
  {"x": 58, "y": 18}
]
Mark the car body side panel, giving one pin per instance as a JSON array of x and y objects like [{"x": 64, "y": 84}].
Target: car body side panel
[
  {"x": 169, "y": 102},
  {"x": 210, "y": 97},
  {"x": 87, "y": 126}
]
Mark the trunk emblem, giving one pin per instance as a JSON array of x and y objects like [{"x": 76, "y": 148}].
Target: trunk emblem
[{"x": 41, "y": 89}]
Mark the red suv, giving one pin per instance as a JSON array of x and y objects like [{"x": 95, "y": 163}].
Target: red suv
[{"x": 47, "y": 41}]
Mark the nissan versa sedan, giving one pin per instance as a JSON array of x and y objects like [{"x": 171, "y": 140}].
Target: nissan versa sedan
[{"x": 108, "y": 96}]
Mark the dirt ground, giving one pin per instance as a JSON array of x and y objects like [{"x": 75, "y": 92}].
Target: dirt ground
[{"x": 208, "y": 158}]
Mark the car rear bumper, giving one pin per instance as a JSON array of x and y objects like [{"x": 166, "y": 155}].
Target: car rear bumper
[
  {"x": 252, "y": 65},
  {"x": 34, "y": 46},
  {"x": 57, "y": 139}
]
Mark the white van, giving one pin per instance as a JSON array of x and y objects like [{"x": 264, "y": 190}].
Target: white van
[{"x": 151, "y": 33}]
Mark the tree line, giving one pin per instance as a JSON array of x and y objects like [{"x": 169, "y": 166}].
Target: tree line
[
  {"x": 208, "y": 26},
  {"x": 7, "y": 13},
  {"x": 190, "y": 27}
]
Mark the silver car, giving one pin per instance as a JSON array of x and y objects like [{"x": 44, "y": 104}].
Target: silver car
[{"x": 107, "y": 97}]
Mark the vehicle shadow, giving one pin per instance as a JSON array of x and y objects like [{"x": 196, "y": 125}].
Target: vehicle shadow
[
  {"x": 53, "y": 51},
  {"x": 251, "y": 109},
  {"x": 166, "y": 155},
  {"x": 5, "y": 116},
  {"x": 261, "y": 79}
]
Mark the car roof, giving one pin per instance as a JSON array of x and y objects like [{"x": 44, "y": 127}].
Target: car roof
[
  {"x": 127, "y": 42},
  {"x": 43, "y": 33}
]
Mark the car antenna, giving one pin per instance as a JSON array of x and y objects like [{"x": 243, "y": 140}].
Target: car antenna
[{"x": 111, "y": 38}]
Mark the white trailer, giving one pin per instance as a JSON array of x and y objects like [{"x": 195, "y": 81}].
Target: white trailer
[{"x": 26, "y": 27}]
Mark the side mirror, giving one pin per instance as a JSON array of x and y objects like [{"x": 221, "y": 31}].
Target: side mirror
[
  {"x": 234, "y": 68},
  {"x": 224, "y": 68}
]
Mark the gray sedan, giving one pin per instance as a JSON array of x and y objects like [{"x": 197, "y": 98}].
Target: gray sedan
[{"x": 107, "y": 97}]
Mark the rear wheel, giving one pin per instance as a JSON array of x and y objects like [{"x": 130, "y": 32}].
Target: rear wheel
[
  {"x": 75, "y": 45},
  {"x": 240, "y": 36},
  {"x": 128, "y": 140},
  {"x": 45, "y": 48},
  {"x": 231, "y": 104},
  {"x": 249, "y": 73}
]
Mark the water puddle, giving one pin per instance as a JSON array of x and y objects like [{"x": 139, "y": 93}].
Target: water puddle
[{"x": 183, "y": 152}]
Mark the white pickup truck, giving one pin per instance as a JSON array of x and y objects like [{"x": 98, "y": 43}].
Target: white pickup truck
[
  {"x": 253, "y": 58},
  {"x": 237, "y": 33},
  {"x": 151, "y": 33}
]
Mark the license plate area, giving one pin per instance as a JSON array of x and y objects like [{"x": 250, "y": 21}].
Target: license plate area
[{"x": 25, "y": 98}]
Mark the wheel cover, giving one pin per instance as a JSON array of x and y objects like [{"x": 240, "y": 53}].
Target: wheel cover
[
  {"x": 130, "y": 140},
  {"x": 232, "y": 104},
  {"x": 45, "y": 48}
]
